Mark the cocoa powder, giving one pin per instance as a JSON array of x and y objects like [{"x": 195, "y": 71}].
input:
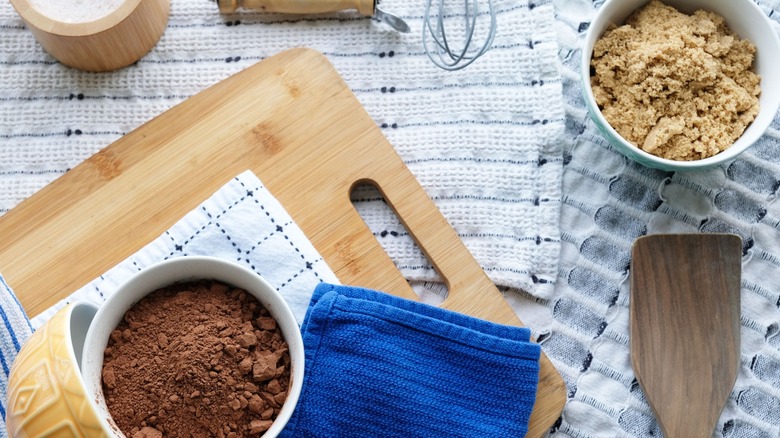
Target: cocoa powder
[{"x": 197, "y": 359}]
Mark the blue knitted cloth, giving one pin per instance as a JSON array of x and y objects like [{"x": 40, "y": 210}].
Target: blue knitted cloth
[{"x": 378, "y": 365}]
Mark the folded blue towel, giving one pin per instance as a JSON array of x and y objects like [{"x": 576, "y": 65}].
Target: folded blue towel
[
  {"x": 378, "y": 365},
  {"x": 14, "y": 332}
]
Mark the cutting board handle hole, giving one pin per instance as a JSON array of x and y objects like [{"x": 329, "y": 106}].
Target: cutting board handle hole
[{"x": 388, "y": 230}]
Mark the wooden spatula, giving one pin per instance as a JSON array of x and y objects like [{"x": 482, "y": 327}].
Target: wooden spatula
[{"x": 685, "y": 312}]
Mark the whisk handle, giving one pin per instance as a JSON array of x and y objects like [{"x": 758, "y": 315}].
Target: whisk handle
[{"x": 364, "y": 7}]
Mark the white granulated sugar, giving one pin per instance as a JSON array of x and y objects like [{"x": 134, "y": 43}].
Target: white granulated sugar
[{"x": 76, "y": 11}]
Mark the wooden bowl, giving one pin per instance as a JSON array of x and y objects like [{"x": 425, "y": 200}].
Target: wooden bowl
[{"x": 108, "y": 43}]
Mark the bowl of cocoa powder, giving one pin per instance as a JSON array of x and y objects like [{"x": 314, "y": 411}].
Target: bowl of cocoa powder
[
  {"x": 681, "y": 84},
  {"x": 194, "y": 347}
]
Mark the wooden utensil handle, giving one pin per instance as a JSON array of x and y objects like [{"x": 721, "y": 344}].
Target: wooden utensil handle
[{"x": 364, "y": 7}]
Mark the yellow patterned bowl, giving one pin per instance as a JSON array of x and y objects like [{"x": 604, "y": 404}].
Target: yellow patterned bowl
[{"x": 46, "y": 393}]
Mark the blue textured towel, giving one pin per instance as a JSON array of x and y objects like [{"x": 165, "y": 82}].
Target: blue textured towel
[
  {"x": 378, "y": 365},
  {"x": 14, "y": 332}
]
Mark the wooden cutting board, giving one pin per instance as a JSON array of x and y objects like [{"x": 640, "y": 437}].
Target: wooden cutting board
[{"x": 291, "y": 120}]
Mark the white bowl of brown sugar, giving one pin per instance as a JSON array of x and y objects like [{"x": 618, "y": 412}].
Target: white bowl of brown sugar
[
  {"x": 194, "y": 347},
  {"x": 681, "y": 84}
]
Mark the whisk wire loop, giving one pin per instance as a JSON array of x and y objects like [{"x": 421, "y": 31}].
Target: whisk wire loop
[{"x": 439, "y": 49}]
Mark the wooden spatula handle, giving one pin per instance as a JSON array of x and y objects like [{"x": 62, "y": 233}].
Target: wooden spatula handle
[{"x": 364, "y": 7}]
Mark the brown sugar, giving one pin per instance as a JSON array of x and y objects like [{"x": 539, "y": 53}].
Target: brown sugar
[
  {"x": 196, "y": 359},
  {"x": 678, "y": 86}
]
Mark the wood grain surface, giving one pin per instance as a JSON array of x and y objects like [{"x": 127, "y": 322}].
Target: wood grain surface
[
  {"x": 108, "y": 43},
  {"x": 685, "y": 322},
  {"x": 292, "y": 120},
  {"x": 364, "y": 7}
]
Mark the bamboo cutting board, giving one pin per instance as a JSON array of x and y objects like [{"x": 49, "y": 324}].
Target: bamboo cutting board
[{"x": 292, "y": 120}]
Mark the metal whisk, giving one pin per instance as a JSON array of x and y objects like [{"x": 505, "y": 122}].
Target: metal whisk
[{"x": 440, "y": 49}]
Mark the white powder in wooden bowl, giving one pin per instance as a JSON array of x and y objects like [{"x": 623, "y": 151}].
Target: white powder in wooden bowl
[{"x": 76, "y": 11}]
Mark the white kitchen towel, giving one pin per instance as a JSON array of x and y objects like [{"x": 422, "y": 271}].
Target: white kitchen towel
[
  {"x": 241, "y": 222},
  {"x": 484, "y": 141},
  {"x": 608, "y": 202}
]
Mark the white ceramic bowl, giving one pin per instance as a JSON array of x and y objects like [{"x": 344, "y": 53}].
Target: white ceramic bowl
[
  {"x": 745, "y": 19},
  {"x": 184, "y": 269}
]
